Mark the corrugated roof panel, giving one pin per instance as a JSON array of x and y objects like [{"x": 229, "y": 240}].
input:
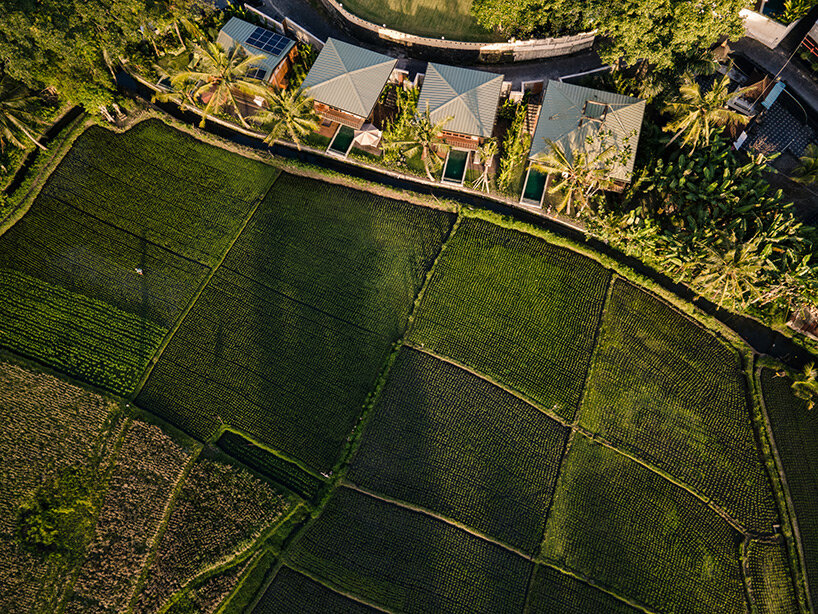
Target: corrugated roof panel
[
  {"x": 238, "y": 31},
  {"x": 470, "y": 97},
  {"x": 567, "y": 119},
  {"x": 348, "y": 77}
]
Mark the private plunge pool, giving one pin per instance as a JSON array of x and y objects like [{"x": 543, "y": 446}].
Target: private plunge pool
[{"x": 455, "y": 168}]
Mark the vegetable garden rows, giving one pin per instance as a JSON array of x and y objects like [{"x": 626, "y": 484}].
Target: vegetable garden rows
[{"x": 533, "y": 433}]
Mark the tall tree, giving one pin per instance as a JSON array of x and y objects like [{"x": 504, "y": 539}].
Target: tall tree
[
  {"x": 291, "y": 114},
  {"x": 577, "y": 175},
  {"x": 73, "y": 45},
  {"x": 485, "y": 154},
  {"x": 526, "y": 18},
  {"x": 215, "y": 79},
  {"x": 661, "y": 32},
  {"x": 698, "y": 115},
  {"x": 424, "y": 139},
  {"x": 16, "y": 119}
]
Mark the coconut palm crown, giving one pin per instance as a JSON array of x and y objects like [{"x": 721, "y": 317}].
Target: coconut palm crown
[
  {"x": 290, "y": 115},
  {"x": 16, "y": 121},
  {"x": 699, "y": 116},
  {"x": 216, "y": 77}
]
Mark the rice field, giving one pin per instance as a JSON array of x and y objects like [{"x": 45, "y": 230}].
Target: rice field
[
  {"x": 448, "y": 441},
  {"x": 321, "y": 281},
  {"x": 339, "y": 401},
  {"x": 517, "y": 309}
]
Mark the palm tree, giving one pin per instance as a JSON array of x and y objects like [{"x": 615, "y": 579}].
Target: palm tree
[
  {"x": 701, "y": 115},
  {"x": 807, "y": 171},
  {"x": 806, "y": 385},
  {"x": 579, "y": 176},
  {"x": 291, "y": 114},
  {"x": 732, "y": 268},
  {"x": 217, "y": 77},
  {"x": 485, "y": 154},
  {"x": 424, "y": 139},
  {"x": 16, "y": 120}
]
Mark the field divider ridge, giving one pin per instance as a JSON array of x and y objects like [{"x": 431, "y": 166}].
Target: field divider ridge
[
  {"x": 595, "y": 438},
  {"x": 744, "y": 558},
  {"x": 569, "y": 440},
  {"x": 606, "y": 301},
  {"x": 335, "y": 589},
  {"x": 110, "y": 458},
  {"x": 569, "y": 572},
  {"x": 804, "y": 591},
  {"x": 422, "y": 510},
  {"x": 516, "y": 393},
  {"x": 163, "y": 525},
  {"x": 154, "y": 360}
]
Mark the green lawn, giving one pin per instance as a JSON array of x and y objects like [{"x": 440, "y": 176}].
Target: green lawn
[{"x": 432, "y": 18}]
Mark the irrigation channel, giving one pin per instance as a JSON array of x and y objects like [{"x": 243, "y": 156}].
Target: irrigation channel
[{"x": 761, "y": 338}]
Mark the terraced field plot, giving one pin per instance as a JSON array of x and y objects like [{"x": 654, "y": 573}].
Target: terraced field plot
[
  {"x": 78, "y": 335},
  {"x": 795, "y": 429},
  {"x": 294, "y": 593},
  {"x": 408, "y": 561},
  {"x": 516, "y": 308},
  {"x": 673, "y": 394},
  {"x": 132, "y": 221},
  {"x": 554, "y": 592},
  {"x": 771, "y": 578},
  {"x": 637, "y": 534},
  {"x": 288, "y": 338},
  {"x": 449, "y": 441}
]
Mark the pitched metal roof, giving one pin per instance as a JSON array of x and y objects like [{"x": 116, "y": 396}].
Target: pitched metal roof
[
  {"x": 348, "y": 77},
  {"x": 239, "y": 32},
  {"x": 470, "y": 97},
  {"x": 572, "y": 116}
]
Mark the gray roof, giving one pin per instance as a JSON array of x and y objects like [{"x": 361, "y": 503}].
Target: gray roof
[
  {"x": 470, "y": 97},
  {"x": 238, "y": 32},
  {"x": 348, "y": 77},
  {"x": 572, "y": 115}
]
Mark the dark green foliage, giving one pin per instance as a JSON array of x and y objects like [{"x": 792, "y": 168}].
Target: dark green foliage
[
  {"x": 276, "y": 468},
  {"x": 516, "y": 308},
  {"x": 709, "y": 219},
  {"x": 555, "y": 592},
  {"x": 59, "y": 517},
  {"x": 408, "y": 561},
  {"x": 164, "y": 186},
  {"x": 673, "y": 394},
  {"x": 770, "y": 579},
  {"x": 528, "y": 18},
  {"x": 81, "y": 336},
  {"x": 639, "y": 535},
  {"x": 288, "y": 338},
  {"x": 795, "y": 430},
  {"x": 661, "y": 32},
  {"x": 447, "y": 440},
  {"x": 294, "y": 593}
]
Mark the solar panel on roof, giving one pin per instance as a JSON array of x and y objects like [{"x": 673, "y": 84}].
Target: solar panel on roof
[{"x": 271, "y": 42}]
